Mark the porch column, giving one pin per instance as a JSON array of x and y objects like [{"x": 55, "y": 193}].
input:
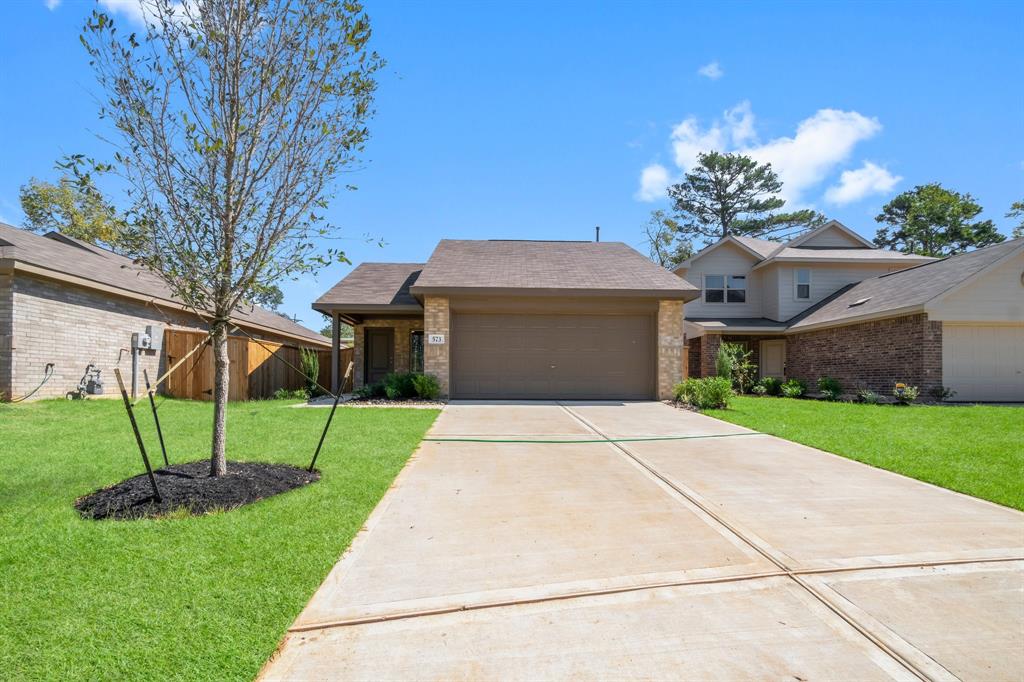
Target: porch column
[{"x": 335, "y": 343}]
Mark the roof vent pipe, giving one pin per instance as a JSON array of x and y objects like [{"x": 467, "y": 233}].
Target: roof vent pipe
[{"x": 597, "y": 233}]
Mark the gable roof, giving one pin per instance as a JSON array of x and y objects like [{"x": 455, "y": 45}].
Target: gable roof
[
  {"x": 908, "y": 289},
  {"x": 374, "y": 286},
  {"x": 546, "y": 268},
  {"x": 830, "y": 225},
  {"x": 75, "y": 261},
  {"x": 768, "y": 252},
  {"x": 758, "y": 248}
]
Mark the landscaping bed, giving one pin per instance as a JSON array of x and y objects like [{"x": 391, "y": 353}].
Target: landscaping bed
[
  {"x": 179, "y": 596},
  {"x": 189, "y": 488}
]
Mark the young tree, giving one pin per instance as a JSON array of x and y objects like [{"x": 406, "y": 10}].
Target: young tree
[
  {"x": 931, "y": 220},
  {"x": 79, "y": 211},
  {"x": 731, "y": 194},
  {"x": 663, "y": 242},
  {"x": 1017, "y": 211},
  {"x": 235, "y": 118}
]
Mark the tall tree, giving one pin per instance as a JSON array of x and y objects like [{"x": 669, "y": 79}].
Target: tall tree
[
  {"x": 1017, "y": 211},
  {"x": 931, "y": 220},
  {"x": 77, "y": 210},
  {"x": 235, "y": 119},
  {"x": 732, "y": 194},
  {"x": 664, "y": 245}
]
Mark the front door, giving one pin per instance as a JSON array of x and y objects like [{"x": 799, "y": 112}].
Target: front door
[
  {"x": 773, "y": 358},
  {"x": 380, "y": 354}
]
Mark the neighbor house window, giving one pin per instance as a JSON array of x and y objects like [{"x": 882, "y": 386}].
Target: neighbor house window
[
  {"x": 802, "y": 283},
  {"x": 416, "y": 352},
  {"x": 725, "y": 288}
]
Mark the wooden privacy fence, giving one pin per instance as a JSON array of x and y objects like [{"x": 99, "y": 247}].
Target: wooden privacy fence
[{"x": 254, "y": 372}]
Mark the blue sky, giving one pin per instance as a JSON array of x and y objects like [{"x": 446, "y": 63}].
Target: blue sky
[{"x": 541, "y": 120}]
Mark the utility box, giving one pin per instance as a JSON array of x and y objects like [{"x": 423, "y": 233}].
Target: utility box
[{"x": 156, "y": 337}]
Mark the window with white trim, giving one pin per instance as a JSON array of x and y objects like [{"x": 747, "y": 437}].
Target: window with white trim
[
  {"x": 725, "y": 288},
  {"x": 802, "y": 284}
]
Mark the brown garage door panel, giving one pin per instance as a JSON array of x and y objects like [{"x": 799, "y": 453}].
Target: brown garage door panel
[{"x": 552, "y": 356}]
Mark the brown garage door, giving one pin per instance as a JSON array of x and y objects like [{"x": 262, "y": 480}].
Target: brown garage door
[{"x": 552, "y": 356}]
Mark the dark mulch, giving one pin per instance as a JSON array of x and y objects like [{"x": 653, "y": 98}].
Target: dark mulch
[{"x": 190, "y": 487}]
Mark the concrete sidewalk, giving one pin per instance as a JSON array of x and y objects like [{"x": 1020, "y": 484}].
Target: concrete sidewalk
[{"x": 722, "y": 554}]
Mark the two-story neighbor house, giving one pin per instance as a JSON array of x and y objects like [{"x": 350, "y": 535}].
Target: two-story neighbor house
[{"x": 829, "y": 303}]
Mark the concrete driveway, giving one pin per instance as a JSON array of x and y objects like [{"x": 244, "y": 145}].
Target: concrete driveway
[{"x": 632, "y": 540}]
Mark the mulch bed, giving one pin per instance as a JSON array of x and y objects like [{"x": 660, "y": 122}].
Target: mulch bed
[
  {"x": 190, "y": 487},
  {"x": 388, "y": 402}
]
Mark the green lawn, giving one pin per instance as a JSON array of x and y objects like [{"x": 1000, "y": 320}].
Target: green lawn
[
  {"x": 978, "y": 450},
  {"x": 190, "y": 598}
]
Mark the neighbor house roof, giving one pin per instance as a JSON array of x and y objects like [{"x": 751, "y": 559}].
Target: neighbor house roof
[
  {"x": 60, "y": 257},
  {"x": 374, "y": 287},
  {"x": 767, "y": 252},
  {"x": 858, "y": 255},
  {"x": 904, "y": 290},
  {"x": 762, "y": 247},
  {"x": 546, "y": 267}
]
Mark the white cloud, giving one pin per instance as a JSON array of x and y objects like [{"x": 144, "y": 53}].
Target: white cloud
[
  {"x": 856, "y": 184},
  {"x": 51, "y": 4},
  {"x": 713, "y": 71},
  {"x": 130, "y": 9},
  {"x": 653, "y": 181},
  {"x": 803, "y": 161},
  {"x": 734, "y": 129}
]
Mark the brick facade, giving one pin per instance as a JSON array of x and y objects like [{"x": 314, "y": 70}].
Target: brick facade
[
  {"x": 670, "y": 347},
  {"x": 873, "y": 355},
  {"x": 72, "y": 327},
  {"x": 693, "y": 357},
  {"x": 6, "y": 335},
  {"x": 708, "y": 350},
  {"x": 436, "y": 320},
  {"x": 404, "y": 327}
]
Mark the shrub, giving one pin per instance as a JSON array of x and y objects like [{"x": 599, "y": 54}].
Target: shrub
[
  {"x": 905, "y": 394},
  {"x": 794, "y": 388},
  {"x": 940, "y": 393},
  {"x": 741, "y": 369},
  {"x": 830, "y": 388},
  {"x": 370, "y": 391},
  {"x": 723, "y": 362},
  {"x": 427, "y": 386},
  {"x": 704, "y": 394},
  {"x": 294, "y": 394},
  {"x": 309, "y": 362},
  {"x": 772, "y": 385},
  {"x": 868, "y": 396},
  {"x": 759, "y": 389},
  {"x": 399, "y": 385}
]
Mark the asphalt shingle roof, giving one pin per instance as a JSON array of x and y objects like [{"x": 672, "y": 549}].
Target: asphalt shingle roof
[
  {"x": 592, "y": 267},
  {"x": 63, "y": 254},
  {"x": 375, "y": 284},
  {"x": 905, "y": 288}
]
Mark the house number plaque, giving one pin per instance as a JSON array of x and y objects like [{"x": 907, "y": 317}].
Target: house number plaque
[{"x": 435, "y": 339}]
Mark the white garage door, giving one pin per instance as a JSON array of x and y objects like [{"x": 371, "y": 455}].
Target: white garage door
[{"x": 983, "y": 362}]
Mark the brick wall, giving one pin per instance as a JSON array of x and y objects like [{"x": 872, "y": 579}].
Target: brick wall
[
  {"x": 708, "y": 353},
  {"x": 404, "y": 327},
  {"x": 6, "y": 311},
  {"x": 670, "y": 347},
  {"x": 693, "y": 357},
  {"x": 873, "y": 355},
  {"x": 436, "y": 319},
  {"x": 72, "y": 327}
]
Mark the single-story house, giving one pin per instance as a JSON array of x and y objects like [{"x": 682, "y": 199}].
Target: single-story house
[
  {"x": 69, "y": 305},
  {"x": 508, "y": 319},
  {"x": 831, "y": 304}
]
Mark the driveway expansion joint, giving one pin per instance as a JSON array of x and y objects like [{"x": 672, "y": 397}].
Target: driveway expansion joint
[{"x": 787, "y": 570}]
